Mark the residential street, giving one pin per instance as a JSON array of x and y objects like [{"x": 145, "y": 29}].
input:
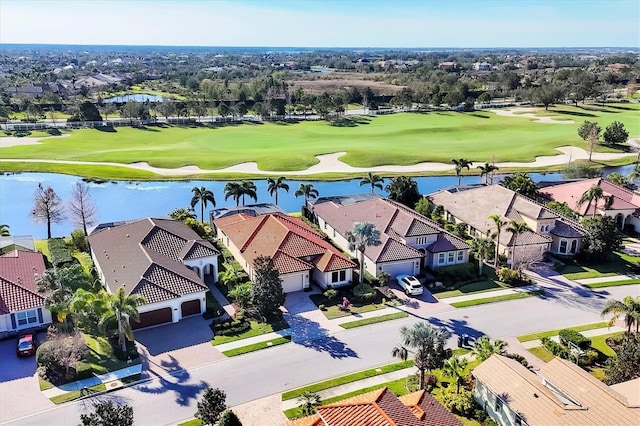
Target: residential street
[{"x": 170, "y": 399}]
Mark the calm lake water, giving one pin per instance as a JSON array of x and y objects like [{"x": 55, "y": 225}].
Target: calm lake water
[
  {"x": 130, "y": 200},
  {"x": 137, "y": 97}
]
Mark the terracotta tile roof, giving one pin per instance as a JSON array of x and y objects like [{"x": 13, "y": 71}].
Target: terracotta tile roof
[
  {"x": 559, "y": 394},
  {"x": 571, "y": 192},
  {"x": 391, "y": 250},
  {"x": 447, "y": 242},
  {"x": 562, "y": 229},
  {"x": 292, "y": 244},
  {"x": 382, "y": 408},
  {"x": 146, "y": 257},
  {"x": 18, "y": 272}
]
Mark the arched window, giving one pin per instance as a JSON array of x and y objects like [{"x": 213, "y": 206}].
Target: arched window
[
  {"x": 574, "y": 246},
  {"x": 563, "y": 246}
]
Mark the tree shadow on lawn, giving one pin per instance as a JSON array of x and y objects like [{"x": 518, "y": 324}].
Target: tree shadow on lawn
[
  {"x": 106, "y": 129},
  {"x": 175, "y": 381},
  {"x": 145, "y": 128},
  {"x": 478, "y": 115},
  {"x": 311, "y": 335},
  {"x": 89, "y": 403},
  {"x": 575, "y": 113}
]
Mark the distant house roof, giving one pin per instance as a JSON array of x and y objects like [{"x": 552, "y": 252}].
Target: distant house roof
[
  {"x": 560, "y": 393},
  {"x": 293, "y": 245},
  {"x": 571, "y": 192},
  {"x": 395, "y": 222},
  {"x": 145, "y": 257},
  {"x": 474, "y": 205},
  {"x": 251, "y": 210},
  {"x": 19, "y": 270},
  {"x": 382, "y": 408}
]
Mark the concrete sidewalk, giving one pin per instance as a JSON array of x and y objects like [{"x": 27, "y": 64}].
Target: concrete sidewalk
[
  {"x": 587, "y": 333},
  {"x": 93, "y": 381}
]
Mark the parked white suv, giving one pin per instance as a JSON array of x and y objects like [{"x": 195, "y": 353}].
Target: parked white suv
[{"x": 410, "y": 285}]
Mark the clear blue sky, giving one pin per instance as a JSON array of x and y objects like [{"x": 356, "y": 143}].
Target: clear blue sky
[{"x": 326, "y": 23}]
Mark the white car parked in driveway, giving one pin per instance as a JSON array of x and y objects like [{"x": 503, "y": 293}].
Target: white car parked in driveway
[{"x": 410, "y": 285}]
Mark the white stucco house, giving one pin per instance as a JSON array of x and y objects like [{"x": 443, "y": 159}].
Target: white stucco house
[{"x": 162, "y": 260}]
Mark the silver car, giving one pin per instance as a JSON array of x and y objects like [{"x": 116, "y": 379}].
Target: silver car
[{"x": 410, "y": 285}]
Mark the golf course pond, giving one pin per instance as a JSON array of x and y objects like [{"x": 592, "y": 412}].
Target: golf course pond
[{"x": 120, "y": 200}]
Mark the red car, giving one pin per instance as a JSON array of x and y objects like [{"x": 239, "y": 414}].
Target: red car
[{"x": 26, "y": 345}]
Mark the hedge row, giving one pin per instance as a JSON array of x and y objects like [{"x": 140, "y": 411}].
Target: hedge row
[
  {"x": 59, "y": 252},
  {"x": 574, "y": 337}
]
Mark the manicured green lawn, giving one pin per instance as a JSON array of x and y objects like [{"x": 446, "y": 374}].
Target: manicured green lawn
[
  {"x": 599, "y": 343},
  {"x": 549, "y": 333},
  {"x": 502, "y": 298},
  {"x": 332, "y": 308},
  {"x": 542, "y": 353},
  {"x": 401, "y": 139},
  {"x": 43, "y": 247},
  {"x": 316, "y": 387},
  {"x": 257, "y": 329},
  {"x": 613, "y": 283},
  {"x": 618, "y": 264},
  {"x": 373, "y": 320},
  {"x": 70, "y": 396},
  {"x": 490, "y": 284},
  {"x": 257, "y": 346},
  {"x": 192, "y": 422},
  {"x": 101, "y": 356}
]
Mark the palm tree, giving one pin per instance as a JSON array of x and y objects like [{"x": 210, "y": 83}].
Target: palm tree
[
  {"x": 461, "y": 163},
  {"x": 248, "y": 189},
  {"x": 404, "y": 190},
  {"x": 121, "y": 308},
  {"x": 275, "y": 184},
  {"x": 363, "y": 235},
  {"x": 374, "y": 180},
  {"x": 426, "y": 344},
  {"x": 308, "y": 191},
  {"x": 487, "y": 171},
  {"x": 629, "y": 307},
  {"x": 593, "y": 194},
  {"x": 635, "y": 172},
  {"x": 309, "y": 401},
  {"x": 516, "y": 228},
  {"x": 455, "y": 367},
  {"x": 4, "y": 230},
  {"x": 497, "y": 219},
  {"x": 482, "y": 247},
  {"x": 182, "y": 214},
  {"x": 202, "y": 195},
  {"x": 87, "y": 307},
  {"x": 59, "y": 286},
  {"x": 233, "y": 190},
  {"x": 484, "y": 348}
]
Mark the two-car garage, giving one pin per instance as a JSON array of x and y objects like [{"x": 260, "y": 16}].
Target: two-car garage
[{"x": 165, "y": 315}]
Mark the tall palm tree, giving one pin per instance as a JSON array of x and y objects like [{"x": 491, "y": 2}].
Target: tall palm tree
[
  {"x": 591, "y": 195},
  {"x": 487, "y": 171},
  {"x": 482, "y": 247},
  {"x": 516, "y": 228},
  {"x": 233, "y": 190},
  {"x": 248, "y": 189},
  {"x": 426, "y": 343},
  {"x": 374, "y": 180},
  {"x": 275, "y": 184},
  {"x": 497, "y": 219},
  {"x": 4, "y": 230},
  {"x": 203, "y": 196},
  {"x": 454, "y": 367},
  {"x": 629, "y": 307},
  {"x": 308, "y": 191},
  {"x": 363, "y": 235},
  {"x": 121, "y": 308},
  {"x": 461, "y": 163},
  {"x": 484, "y": 348},
  {"x": 309, "y": 401}
]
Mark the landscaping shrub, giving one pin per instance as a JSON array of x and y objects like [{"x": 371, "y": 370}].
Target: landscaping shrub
[
  {"x": 79, "y": 240},
  {"x": 463, "y": 403},
  {"x": 555, "y": 348},
  {"x": 330, "y": 294},
  {"x": 83, "y": 370},
  {"x": 130, "y": 353},
  {"x": 508, "y": 276},
  {"x": 590, "y": 358},
  {"x": 364, "y": 293},
  {"x": 233, "y": 327},
  {"x": 522, "y": 360},
  {"x": 430, "y": 381},
  {"x": 242, "y": 295},
  {"x": 22, "y": 133},
  {"x": 59, "y": 252},
  {"x": 453, "y": 273},
  {"x": 567, "y": 335}
]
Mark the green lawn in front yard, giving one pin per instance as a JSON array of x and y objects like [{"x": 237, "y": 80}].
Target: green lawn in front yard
[
  {"x": 613, "y": 283},
  {"x": 542, "y": 353},
  {"x": 374, "y": 320},
  {"x": 257, "y": 346},
  {"x": 333, "y": 309},
  {"x": 600, "y": 343},
  {"x": 257, "y": 329},
  {"x": 70, "y": 396},
  {"x": 618, "y": 264},
  {"x": 101, "y": 356},
  {"x": 549, "y": 333},
  {"x": 489, "y": 284}
]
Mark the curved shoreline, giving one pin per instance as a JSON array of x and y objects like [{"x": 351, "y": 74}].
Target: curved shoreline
[{"x": 330, "y": 163}]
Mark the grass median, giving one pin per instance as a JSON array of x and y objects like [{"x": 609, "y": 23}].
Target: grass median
[
  {"x": 550, "y": 333},
  {"x": 503, "y": 298},
  {"x": 257, "y": 346},
  {"x": 613, "y": 283},
  {"x": 373, "y": 320}
]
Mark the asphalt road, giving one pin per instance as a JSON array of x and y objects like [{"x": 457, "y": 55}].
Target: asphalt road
[{"x": 170, "y": 399}]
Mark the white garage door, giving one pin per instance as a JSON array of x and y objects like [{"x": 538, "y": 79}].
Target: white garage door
[
  {"x": 395, "y": 269},
  {"x": 291, "y": 283}
]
